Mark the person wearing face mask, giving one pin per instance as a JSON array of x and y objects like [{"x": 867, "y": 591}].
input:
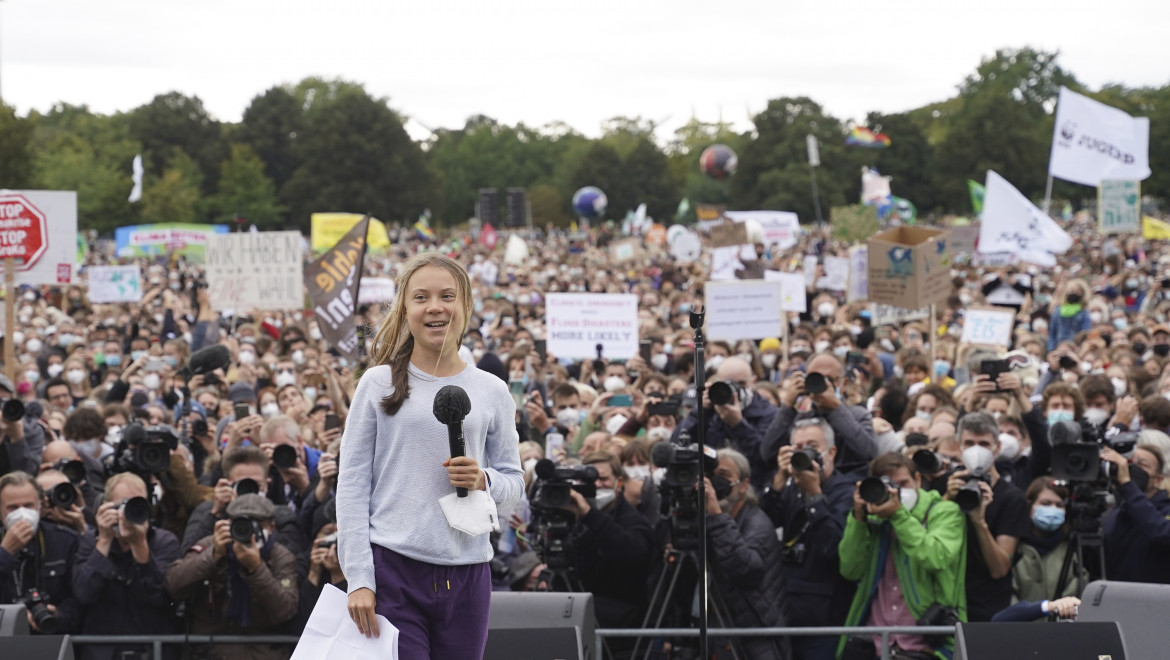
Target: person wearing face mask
[
  {"x": 811, "y": 506},
  {"x": 1137, "y": 530},
  {"x": 36, "y": 554},
  {"x": 906, "y": 555},
  {"x": 1068, "y": 315},
  {"x": 118, "y": 576},
  {"x": 745, "y": 557},
  {"x": 995, "y": 527},
  {"x": 244, "y": 588},
  {"x": 614, "y": 543},
  {"x": 1041, "y": 554}
]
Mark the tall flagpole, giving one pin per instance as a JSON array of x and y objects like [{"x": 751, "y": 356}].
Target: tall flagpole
[{"x": 1047, "y": 195}]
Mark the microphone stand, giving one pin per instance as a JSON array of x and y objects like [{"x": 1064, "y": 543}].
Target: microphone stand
[{"x": 701, "y": 435}]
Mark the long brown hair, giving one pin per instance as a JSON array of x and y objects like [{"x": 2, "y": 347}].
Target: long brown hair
[{"x": 393, "y": 344}]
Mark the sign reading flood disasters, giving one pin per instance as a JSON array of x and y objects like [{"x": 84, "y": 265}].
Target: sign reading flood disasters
[
  {"x": 578, "y": 322},
  {"x": 744, "y": 309},
  {"x": 38, "y": 230},
  {"x": 261, "y": 270}
]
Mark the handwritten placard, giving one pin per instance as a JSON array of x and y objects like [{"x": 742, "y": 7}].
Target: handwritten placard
[
  {"x": 726, "y": 234},
  {"x": 793, "y": 296},
  {"x": 256, "y": 270},
  {"x": 991, "y": 327},
  {"x": 108, "y": 284}
]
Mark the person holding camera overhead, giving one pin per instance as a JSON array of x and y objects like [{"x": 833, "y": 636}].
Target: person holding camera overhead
[
  {"x": 402, "y": 557},
  {"x": 818, "y": 389},
  {"x": 240, "y": 581},
  {"x": 118, "y": 575},
  {"x": 36, "y": 558},
  {"x": 736, "y": 417},
  {"x": 1137, "y": 531},
  {"x": 23, "y": 438},
  {"x": 906, "y": 548}
]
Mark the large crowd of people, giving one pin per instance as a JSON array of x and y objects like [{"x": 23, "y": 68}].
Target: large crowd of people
[{"x": 864, "y": 473}]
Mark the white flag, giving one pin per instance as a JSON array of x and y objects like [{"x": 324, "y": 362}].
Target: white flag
[
  {"x": 1093, "y": 141},
  {"x": 1013, "y": 224},
  {"x": 874, "y": 187},
  {"x": 136, "y": 192}
]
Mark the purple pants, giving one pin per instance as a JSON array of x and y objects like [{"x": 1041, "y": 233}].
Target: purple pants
[{"x": 441, "y": 612}]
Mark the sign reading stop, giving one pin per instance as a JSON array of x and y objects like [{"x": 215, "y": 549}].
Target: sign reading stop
[{"x": 23, "y": 231}]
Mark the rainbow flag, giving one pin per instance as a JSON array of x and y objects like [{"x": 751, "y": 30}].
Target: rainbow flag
[
  {"x": 861, "y": 136},
  {"x": 423, "y": 227}
]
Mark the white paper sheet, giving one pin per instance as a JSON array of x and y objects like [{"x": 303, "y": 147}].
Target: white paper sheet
[{"x": 331, "y": 635}]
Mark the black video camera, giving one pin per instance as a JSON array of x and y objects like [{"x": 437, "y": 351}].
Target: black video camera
[
  {"x": 685, "y": 467},
  {"x": 1076, "y": 452},
  {"x": 554, "y": 483},
  {"x": 144, "y": 449}
]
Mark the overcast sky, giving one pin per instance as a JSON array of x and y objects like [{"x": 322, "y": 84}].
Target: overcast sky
[{"x": 580, "y": 62}]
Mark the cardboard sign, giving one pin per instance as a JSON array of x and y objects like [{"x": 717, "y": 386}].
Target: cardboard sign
[
  {"x": 858, "y": 273},
  {"x": 836, "y": 274},
  {"x": 992, "y": 327},
  {"x": 964, "y": 239},
  {"x": 1119, "y": 206},
  {"x": 727, "y": 234},
  {"x": 261, "y": 270},
  {"x": 890, "y": 315},
  {"x": 109, "y": 284},
  {"x": 746, "y": 309},
  {"x": 909, "y": 267},
  {"x": 374, "y": 290},
  {"x": 793, "y": 296},
  {"x": 623, "y": 251},
  {"x": 578, "y": 322}
]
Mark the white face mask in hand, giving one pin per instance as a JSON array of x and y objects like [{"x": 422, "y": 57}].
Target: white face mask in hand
[{"x": 473, "y": 515}]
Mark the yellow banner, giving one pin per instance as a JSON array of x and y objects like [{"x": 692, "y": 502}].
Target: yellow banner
[
  {"x": 1155, "y": 229},
  {"x": 328, "y": 228}
]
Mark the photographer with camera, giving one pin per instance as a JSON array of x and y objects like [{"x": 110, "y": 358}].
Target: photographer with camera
[
  {"x": 36, "y": 558},
  {"x": 810, "y": 500},
  {"x": 118, "y": 577},
  {"x": 239, "y": 580},
  {"x": 22, "y": 437},
  {"x": 1137, "y": 531},
  {"x": 91, "y": 478},
  {"x": 63, "y": 503},
  {"x": 997, "y": 517},
  {"x": 905, "y": 547},
  {"x": 246, "y": 471},
  {"x": 819, "y": 388},
  {"x": 295, "y": 464},
  {"x": 735, "y": 416},
  {"x": 745, "y": 558}
]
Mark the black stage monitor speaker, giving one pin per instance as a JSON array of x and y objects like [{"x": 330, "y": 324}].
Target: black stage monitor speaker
[
  {"x": 540, "y": 626},
  {"x": 1040, "y": 641},
  {"x": 37, "y": 647},
  {"x": 1140, "y": 609}
]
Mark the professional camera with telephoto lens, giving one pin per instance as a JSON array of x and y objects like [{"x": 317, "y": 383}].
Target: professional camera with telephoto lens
[
  {"x": 815, "y": 383},
  {"x": 144, "y": 450},
  {"x": 246, "y": 487},
  {"x": 970, "y": 494},
  {"x": 62, "y": 496},
  {"x": 552, "y": 524},
  {"x": 73, "y": 469},
  {"x": 12, "y": 410},
  {"x": 1077, "y": 465},
  {"x": 723, "y": 392},
  {"x": 284, "y": 456},
  {"x": 135, "y": 509},
  {"x": 806, "y": 459},
  {"x": 243, "y": 529},
  {"x": 37, "y": 603},
  {"x": 876, "y": 490}
]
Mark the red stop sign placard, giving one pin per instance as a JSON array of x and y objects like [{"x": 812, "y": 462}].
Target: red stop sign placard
[{"x": 23, "y": 231}]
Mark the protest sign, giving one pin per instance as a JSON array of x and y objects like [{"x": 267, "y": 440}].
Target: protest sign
[
  {"x": 992, "y": 327},
  {"x": 858, "y": 273},
  {"x": 326, "y": 229},
  {"x": 964, "y": 238},
  {"x": 810, "y": 269},
  {"x": 1119, "y": 206},
  {"x": 792, "y": 290},
  {"x": 727, "y": 234},
  {"x": 909, "y": 267},
  {"x": 1012, "y": 223},
  {"x": 725, "y": 262},
  {"x": 686, "y": 247},
  {"x": 375, "y": 290},
  {"x": 836, "y": 274},
  {"x": 188, "y": 240},
  {"x": 333, "y": 281},
  {"x": 1092, "y": 142},
  {"x": 578, "y": 322},
  {"x": 889, "y": 314},
  {"x": 747, "y": 309},
  {"x": 255, "y": 270},
  {"x": 709, "y": 212},
  {"x": 624, "y": 250},
  {"x": 781, "y": 228},
  {"x": 38, "y": 231},
  {"x": 109, "y": 284}
]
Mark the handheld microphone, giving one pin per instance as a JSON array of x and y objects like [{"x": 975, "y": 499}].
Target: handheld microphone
[{"x": 451, "y": 406}]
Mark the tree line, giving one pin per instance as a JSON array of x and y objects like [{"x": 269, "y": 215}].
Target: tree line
[{"x": 328, "y": 145}]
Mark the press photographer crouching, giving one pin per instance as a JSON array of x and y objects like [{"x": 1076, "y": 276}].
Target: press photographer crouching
[
  {"x": 36, "y": 559},
  {"x": 603, "y": 539},
  {"x": 239, "y": 580},
  {"x": 809, "y": 500},
  {"x": 118, "y": 577},
  {"x": 1137, "y": 531},
  {"x": 906, "y": 547},
  {"x": 745, "y": 557}
]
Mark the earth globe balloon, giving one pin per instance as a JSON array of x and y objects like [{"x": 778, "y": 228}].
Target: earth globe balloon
[
  {"x": 590, "y": 202},
  {"x": 718, "y": 161}
]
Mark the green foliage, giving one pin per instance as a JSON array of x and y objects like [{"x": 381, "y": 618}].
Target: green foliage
[
  {"x": 855, "y": 223},
  {"x": 175, "y": 196},
  {"x": 15, "y": 136},
  {"x": 174, "y": 121},
  {"x": 246, "y": 191}
]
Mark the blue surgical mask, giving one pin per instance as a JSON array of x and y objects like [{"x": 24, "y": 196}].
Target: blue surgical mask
[
  {"x": 171, "y": 361},
  {"x": 135, "y": 355},
  {"x": 1048, "y": 518},
  {"x": 1055, "y": 416},
  {"x": 941, "y": 368},
  {"x": 113, "y": 360}
]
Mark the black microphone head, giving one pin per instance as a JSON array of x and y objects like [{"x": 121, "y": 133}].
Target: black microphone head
[
  {"x": 452, "y": 404},
  {"x": 545, "y": 469},
  {"x": 207, "y": 360},
  {"x": 134, "y": 433},
  {"x": 661, "y": 454}
]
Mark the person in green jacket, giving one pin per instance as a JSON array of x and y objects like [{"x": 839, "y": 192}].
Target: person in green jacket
[{"x": 906, "y": 554}]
